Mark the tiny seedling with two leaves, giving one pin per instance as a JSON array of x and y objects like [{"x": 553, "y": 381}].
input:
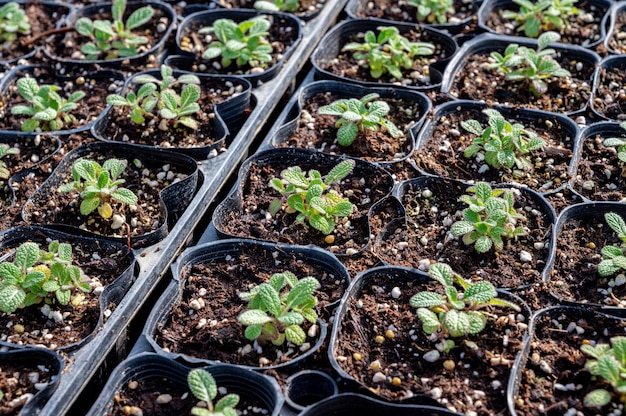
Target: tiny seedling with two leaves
[
  {"x": 503, "y": 143},
  {"x": 244, "y": 43},
  {"x": 34, "y": 274},
  {"x": 48, "y": 111},
  {"x": 357, "y": 115},
  {"x": 114, "y": 39},
  {"x": 310, "y": 196},
  {"x": 204, "y": 387},
  {"x": 389, "y": 52},
  {"x": 158, "y": 98},
  {"x": 489, "y": 217},
  {"x": 534, "y": 67},
  {"x": 99, "y": 185},
  {"x": 455, "y": 314},
  {"x": 278, "y": 308}
]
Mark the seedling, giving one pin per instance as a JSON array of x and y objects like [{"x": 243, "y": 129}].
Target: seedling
[
  {"x": 457, "y": 314},
  {"x": 389, "y": 52},
  {"x": 36, "y": 274},
  {"x": 99, "y": 185},
  {"x": 114, "y": 39},
  {"x": 48, "y": 111},
  {"x": 277, "y": 5},
  {"x": 310, "y": 196},
  {"x": 533, "y": 17},
  {"x": 620, "y": 144},
  {"x": 609, "y": 363},
  {"x": 203, "y": 386},
  {"x": 433, "y": 11},
  {"x": 158, "y": 96},
  {"x": 358, "y": 115},
  {"x": 490, "y": 216},
  {"x": 534, "y": 67},
  {"x": 13, "y": 22},
  {"x": 613, "y": 258},
  {"x": 278, "y": 308},
  {"x": 244, "y": 43},
  {"x": 5, "y": 150},
  {"x": 504, "y": 144}
]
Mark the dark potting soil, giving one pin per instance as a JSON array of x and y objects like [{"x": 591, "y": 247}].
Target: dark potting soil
[
  {"x": 617, "y": 42},
  {"x": 610, "y": 98},
  {"x": 18, "y": 384},
  {"x": 402, "y": 11}
]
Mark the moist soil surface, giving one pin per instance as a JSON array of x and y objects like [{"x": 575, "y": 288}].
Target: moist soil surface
[
  {"x": 351, "y": 233},
  {"x": 485, "y": 360},
  {"x": 306, "y": 8},
  {"x": 17, "y": 383},
  {"x": 442, "y": 153},
  {"x": 600, "y": 173},
  {"x": 402, "y": 11},
  {"x": 425, "y": 238},
  {"x": 282, "y": 36},
  {"x": 610, "y": 96},
  {"x": 617, "y": 42},
  {"x": 556, "y": 363},
  {"x": 318, "y": 132},
  {"x": 345, "y": 65},
  {"x": 102, "y": 264},
  {"x": 475, "y": 81},
  {"x": 217, "y": 284},
  {"x": 96, "y": 88},
  {"x": 575, "y": 275},
  {"x": 582, "y": 29}
]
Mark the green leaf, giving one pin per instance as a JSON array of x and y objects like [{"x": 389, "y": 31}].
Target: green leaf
[
  {"x": 295, "y": 176},
  {"x": 479, "y": 292},
  {"x": 88, "y": 205},
  {"x": 461, "y": 227},
  {"x": 616, "y": 223},
  {"x": 301, "y": 291},
  {"x": 139, "y": 17},
  {"x": 597, "y": 398},
  {"x": 125, "y": 196},
  {"x": 483, "y": 244},
  {"x": 26, "y": 255},
  {"x": 339, "y": 172},
  {"x": 252, "y": 332},
  {"x": 270, "y": 299},
  {"x": 11, "y": 297},
  {"x": 347, "y": 133},
  {"x": 442, "y": 273},
  {"x": 295, "y": 335},
  {"x": 10, "y": 273},
  {"x": 477, "y": 322},
  {"x": 426, "y": 300},
  {"x": 202, "y": 385},
  {"x": 457, "y": 323},
  {"x": 63, "y": 296},
  {"x": 430, "y": 321},
  {"x": 228, "y": 401},
  {"x": 609, "y": 368},
  {"x": 190, "y": 94},
  {"x": 254, "y": 317},
  {"x": 27, "y": 87},
  {"x": 619, "y": 348},
  {"x": 291, "y": 318}
]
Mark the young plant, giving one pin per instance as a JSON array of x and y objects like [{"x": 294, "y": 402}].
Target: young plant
[
  {"x": 36, "y": 274},
  {"x": 204, "y": 388},
  {"x": 433, "y": 11},
  {"x": 620, "y": 144},
  {"x": 311, "y": 197},
  {"x": 13, "y": 22},
  {"x": 358, "y": 115},
  {"x": 277, "y": 5},
  {"x": 608, "y": 363},
  {"x": 457, "y": 314},
  {"x": 278, "y": 308},
  {"x": 490, "y": 216},
  {"x": 534, "y": 67},
  {"x": 244, "y": 43},
  {"x": 503, "y": 144},
  {"x": 99, "y": 185},
  {"x": 389, "y": 52},
  {"x": 5, "y": 150},
  {"x": 613, "y": 258},
  {"x": 158, "y": 96},
  {"x": 114, "y": 39},
  {"x": 533, "y": 17},
  {"x": 48, "y": 111}
]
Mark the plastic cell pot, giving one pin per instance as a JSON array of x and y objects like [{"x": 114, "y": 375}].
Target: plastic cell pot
[
  {"x": 273, "y": 162},
  {"x": 330, "y": 48},
  {"x": 571, "y": 272},
  {"x": 308, "y": 387},
  {"x": 250, "y": 386},
  {"x": 232, "y": 254},
  {"x": 358, "y": 9},
  {"x": 353, "y": 403},
  {"x": 344, "y": 90},
  {"x": 484, "y": 44},
  {"x": 542, "y": 121},
  {"x": 113, "y": 291},
  {"x": 173, "y": 198},
  {"x": 164, "y": 13},
  {"x": 607, "y": 99},
  {"x": 217, "y": 129},
  {"x": 282, "y": 24},
  {"x": 598, "y": 8},
  {"x": 377, "y": 302},
  {"x": 614, "y": 42},
  {"x": 64, "y": 77},
  {"x": 38, "y": 360}
]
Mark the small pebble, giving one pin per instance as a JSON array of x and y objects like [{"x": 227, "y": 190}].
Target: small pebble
[
  {"x": 432, "y": 356},
  {"x": 396, "y": 292},
  {"x": 164, "y": 399}
]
